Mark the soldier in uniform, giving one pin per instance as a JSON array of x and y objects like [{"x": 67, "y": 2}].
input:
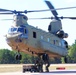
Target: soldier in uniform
[
  {"x": 39, "y": 63},
  {"x": 45, "y": 58}
]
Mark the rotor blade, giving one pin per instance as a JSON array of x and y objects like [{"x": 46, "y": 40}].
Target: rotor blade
[
  {"x": 52, "y": 7},
  {"x": 39, "y": 18},
  {"x": 6, "y": 19},
  {"x": 65, "y": 8},
  {"x": 47, "y": 18},
  {"x": 11, "y": 11},
  {"x": 67, "y": 18},
  {"x": 1, "y": 10},
  {"x": 8, "y": 13},
  {"x": 72, "y": 18},
  {"x": 53, "y": 18}
]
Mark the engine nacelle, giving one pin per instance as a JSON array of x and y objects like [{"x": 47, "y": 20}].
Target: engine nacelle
[
  {"x": 65, "y": 35},
  {"x": 60, "y": 34}
]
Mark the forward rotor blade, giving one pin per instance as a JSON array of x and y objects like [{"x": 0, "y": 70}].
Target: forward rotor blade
[
  {"x": 6, "y": 19},
  {"x": 1, "y": 10},
  {"x": 52, "y": 9},
  {"x": 5, "y": 13}
]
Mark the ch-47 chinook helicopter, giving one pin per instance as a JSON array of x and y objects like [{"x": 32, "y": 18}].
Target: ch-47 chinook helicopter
[{"x": 31, "y": 40}]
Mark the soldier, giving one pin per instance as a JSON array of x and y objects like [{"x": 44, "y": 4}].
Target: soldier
[
  {"x": 45, "y": 58},
  {"x": 39, "y": 63}
]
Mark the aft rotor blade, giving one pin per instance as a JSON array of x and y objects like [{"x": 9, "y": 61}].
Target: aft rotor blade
[
  {"x": 68, "y": 18},
  {"x": 52, "y": 7}
]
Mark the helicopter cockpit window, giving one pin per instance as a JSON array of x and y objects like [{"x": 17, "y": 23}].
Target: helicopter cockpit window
[
  {"x": 25, "y": 17},
  {"x": 12, "y": 30},
  {"x": 48, "y": 39},
  {"x": 20, "y": 30}
]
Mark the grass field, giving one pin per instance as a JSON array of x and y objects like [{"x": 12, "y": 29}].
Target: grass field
[{"x": 19, "y": 67}]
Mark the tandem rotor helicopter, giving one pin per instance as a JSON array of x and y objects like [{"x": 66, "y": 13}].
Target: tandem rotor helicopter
[{"x": 31, "y": 40}]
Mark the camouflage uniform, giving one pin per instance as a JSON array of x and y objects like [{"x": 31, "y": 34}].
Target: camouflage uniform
[
  {"x": 39, "y": 64},
  {"x": 45, "y": 58}
]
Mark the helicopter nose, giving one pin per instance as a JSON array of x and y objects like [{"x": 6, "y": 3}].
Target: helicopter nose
[{"x": 14, "y": 35}]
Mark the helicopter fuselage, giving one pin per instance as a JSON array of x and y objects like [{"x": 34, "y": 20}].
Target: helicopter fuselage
[{"x": 30, "y": 39}]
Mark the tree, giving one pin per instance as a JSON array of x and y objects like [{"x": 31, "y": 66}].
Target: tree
[
  {"x": 5, "y": 56},
  {"x": 72, "y": 53},
  {"x": 8, "y": 57},
  {"x": 26, "y": 58}
]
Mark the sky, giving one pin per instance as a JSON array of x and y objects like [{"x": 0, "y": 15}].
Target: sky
[{"x": 69, "y": 26}]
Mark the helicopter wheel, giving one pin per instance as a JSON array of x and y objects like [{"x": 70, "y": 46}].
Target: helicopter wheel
[{"x": 18, "y": 56}]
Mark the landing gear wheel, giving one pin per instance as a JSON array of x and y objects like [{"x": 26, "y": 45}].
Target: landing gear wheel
[{"x": 18, "y": 56}]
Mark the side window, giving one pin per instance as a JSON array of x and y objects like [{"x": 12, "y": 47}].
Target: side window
[
  {"x": 25, "y": 31},
  {"x": 54, "y": 41},
  {"x": 34, "y": 35},
  {"x": 48, "y": 39},
  {"x": 41, "y": 37},
  {"x": 59, "y": 43}
]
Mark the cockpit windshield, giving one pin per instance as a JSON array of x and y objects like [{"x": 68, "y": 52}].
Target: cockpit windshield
[
  {"x": 20, "y": 30},
  {"x": 12, "y": 30}
]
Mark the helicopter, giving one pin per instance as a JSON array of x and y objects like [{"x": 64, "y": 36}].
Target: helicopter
[{"x": 23, "y": 37}]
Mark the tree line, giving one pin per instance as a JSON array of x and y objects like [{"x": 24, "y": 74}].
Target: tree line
[{"x": 8, "y": 57}]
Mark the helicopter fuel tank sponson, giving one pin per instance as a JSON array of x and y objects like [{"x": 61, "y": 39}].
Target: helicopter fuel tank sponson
[{"x": 53, "y": 48}]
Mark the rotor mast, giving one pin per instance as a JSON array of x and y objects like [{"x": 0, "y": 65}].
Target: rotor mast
[{"x": 19, "y": 19}]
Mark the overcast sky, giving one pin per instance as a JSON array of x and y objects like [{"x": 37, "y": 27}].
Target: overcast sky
[{"x": 69, "y": 26}]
